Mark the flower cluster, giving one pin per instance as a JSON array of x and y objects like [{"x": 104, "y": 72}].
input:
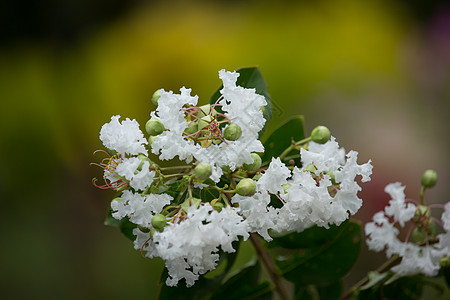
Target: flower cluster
[
  {"x": 224, "y": 192},
  {"x": 422, "y": 248}
]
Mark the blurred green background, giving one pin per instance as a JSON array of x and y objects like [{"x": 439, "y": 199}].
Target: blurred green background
[{"x": 377, "y": 73}]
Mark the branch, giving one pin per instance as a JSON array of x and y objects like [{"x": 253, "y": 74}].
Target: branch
[
  {"x": 270, "y": 267},
  {"x": 383, "y": 268}
]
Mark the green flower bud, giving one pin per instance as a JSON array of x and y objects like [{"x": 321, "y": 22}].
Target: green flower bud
[
  {"x": 154, "y": 127},
  {"x": 218, "y": 206},
  {"x": 444, "y": 261},
  {"x": 320, "y": 134},
  {"x": 232, "y": 132},
  {"x": 191, "y": 201},
  {"x": 431, "y": 229},
  {"x": 204, "y": 122},
  {"x": 203, "y": 170},
  {"x": 246, "y": 187},
  {"x": 159, "y": 222},
  {"x": 118, "y": 199},
  {"x": 429, "y": 178},
  {"x": 156, "y": 96},
  {"x": 418, "y": 235},
  {"x": 254, "y": 167}
]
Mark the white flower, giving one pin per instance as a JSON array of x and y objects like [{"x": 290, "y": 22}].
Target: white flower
[
  {"x": 316, "y": 199},
  {"x": 140, "y": 209},
  {"x": 129, "y": 169},
  {"x": 241, "y": 105},
  {"x": 259, "y": 216},
  {"x": 125, "y": 137},
  {"x": 383, "y": 234},
  {"x": 398, "y": 209},
  {"x": 191, "y": 247},
  {"x": 274, "y": 177}
]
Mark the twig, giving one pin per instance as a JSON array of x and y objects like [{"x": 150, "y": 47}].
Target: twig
[
  {"x": 384, "y": 267},
  {"x": 270, "y": 267}
]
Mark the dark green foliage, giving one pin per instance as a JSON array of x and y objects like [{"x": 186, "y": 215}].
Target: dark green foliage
[
  {"x": 124, "y": 225},
  {"x": 282, "y": 138},
  {"x": 329, "y": 256}
]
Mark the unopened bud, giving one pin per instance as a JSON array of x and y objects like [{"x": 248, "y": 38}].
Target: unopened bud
[
  {"x": 253, "y": 167},
  {"x": 232, "y": 132},
  {"x": 156, "y": 96},
  {"x": 218, "y": 206},
  {"x": 429, "y": 178},
  {"x": 421, "y": 211},
  {"x": 431, "y": 229},
  {"x": 203, "y": 170},
  {"x": 154, "y": 127},
  {"x": 320, "y": 134},
  {"x": 246, "y": 187},
  {"x": 159, "y": 222},
  {"x": 418, "y": 235}
]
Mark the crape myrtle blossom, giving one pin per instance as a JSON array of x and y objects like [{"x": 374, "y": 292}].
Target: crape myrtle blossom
[
  {"x": 139, "y": 208},
  {"x": 125, "y": 137},
  {"x": 187, "y": 214},
  {"x": 191, "y": 247},
  {"x": 134, "y": 170},
  {"x": 310, "y": 196},
  {"x": 240, "y": 105},
  {"x": 416, "y": 257}
]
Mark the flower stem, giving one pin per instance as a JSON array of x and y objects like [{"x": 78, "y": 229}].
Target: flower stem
[
  {"x": 293, "y": 146},
  {"x": 383, "y": 268},
  {"x": 270, "y": 267}
]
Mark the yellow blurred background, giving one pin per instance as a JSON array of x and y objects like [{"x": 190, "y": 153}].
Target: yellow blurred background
[{"x": 377, "y": 73}]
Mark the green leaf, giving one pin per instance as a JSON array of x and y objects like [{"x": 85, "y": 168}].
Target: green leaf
[
  {"x": 404, "y": 288},
  {"x": 328, "y": 292},
  {"x": 446, "y": 272},
  {"x": 244, "y": 285},
  {"x": 124, "y": 225},
  {"x": 311, "y": 237},
  {"x": 327, "y": 263},
  {"x": 374, "y": 278},
  {"x": 282, "y": 138},
  {"x": 251, "y": 78}
]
